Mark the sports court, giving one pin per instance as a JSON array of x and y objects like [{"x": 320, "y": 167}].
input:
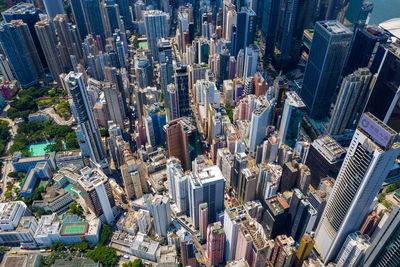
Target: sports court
[{"x": 74, "y": 228}]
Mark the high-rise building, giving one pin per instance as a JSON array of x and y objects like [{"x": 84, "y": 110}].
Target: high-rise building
[
  {"x": 233, "y": 220},
  {"x": 252, "y": 244},
  {"x": 385, "y": 249},
  {"x": 206, "y": 186},
  {"x": 93, "y": 17},
  {"x": 357, "y": 13},
  {"x": 156, "y": 28},
  {"x": 48, "y": 40},
  {"x": 269, "y": 27},
  {"x": 245, "y": 29},
  {"x": 305, "y": 248},
  {"x": 250, "y": 60},
  {"x": 177, "y": 184},
  {"x": 294, "y": 17},
  {"x": 352, "y": 250},
  {"x": 203, "y": 220},
  {"x": 5, "y": 68},
  {"x": 228, "y": 8},
  {"x": 79, "y": 16},
  {"x": 114, "y": 104},
  {"x": 188, "y": 250},
  {"x": 125, "y": 11},
  {"x": 53, "y": 8},
  {"x": 384, "y": 94},
  {"x": 284, "y": 251},
  {"x": 247, "y": 184},
  {"x": 112, "y": 16},
  {"x": 30, "y": 47},
  {"x": 275, "y": 216},
  {"x": 13, "y": 47},
  {"x": 144, "y": 71},
  {"x": 97, "y": 193},
  {"x": 84, "y": 115},
  {"x": 325, "y": 62},
  {"x": 324, "y": 158},
  {"x": 161, "y": 211},
  {"x": 303, "y": 220},
  {"x": 29, "y": 15},
  {"x": 130, "y": 172},
  {"x": 260, "y": 119},
  {"x": 370, "y": 224},
  {"x": 182, "y": 88},
  {"x": 181, "y": 140},
  {"x": 350, "y": 102},
  {"x": 370, "y": 157},
  {"x": 69, "y": 41},
  {"x": 215, "y": 243},
  {"x": 363, "y": 46},
  {"x": 292, "y": 117}
]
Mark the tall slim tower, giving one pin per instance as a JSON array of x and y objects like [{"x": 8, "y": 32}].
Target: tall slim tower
[
  {"x": 350, "y": 102},
  {"x": 371, "y": 155},
  {"x": 30, "y": 47},
  {"x": 215, "y": 243},
  {"x": 260, "y": 119},
  {"x": 48, "y": 40},
  {"x": 161, "y": 211},
  {"x": 84, "y": 115},
  {"x": 79, "y": 16},
  {"x": 156, "y": 25},
  {"x": 182, "y": 89},
  {"x": 325, "y": 62},
  {"x": 17, "y": 56},
  {"x": 385, "y": 93},
  {"x": 93, "y": 18},
  {"x": 245, "y": 29},
  {"x": 292, "y": 116}
]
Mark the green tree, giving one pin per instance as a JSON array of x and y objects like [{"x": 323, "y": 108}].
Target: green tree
[
  {"x": 104, "y": 255},
  {"x": 137, "y": 263},
  {"x": 105, "y": 234},
  {"x": 229, "y": 112},
  {"x": 57, "y": 246},
  {"x": 71, "y": 141},
  {"x": 76, "y": 209},
  {"x": 104, "y": 132}
]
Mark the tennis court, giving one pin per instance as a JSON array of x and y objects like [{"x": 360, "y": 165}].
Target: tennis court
[{"x": 74, "y": 229}]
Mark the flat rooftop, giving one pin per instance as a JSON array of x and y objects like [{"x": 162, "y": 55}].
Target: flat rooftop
[{"x": 335, "y": 27}]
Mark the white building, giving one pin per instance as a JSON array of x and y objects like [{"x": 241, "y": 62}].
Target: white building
[
  {"x": 260, "y": 118},
  {"x": 143, "y": 221},
  {"x": 353, "y": 250},
  {"x": 370, "y": 157},
  {"x": 161, "y": 211}
]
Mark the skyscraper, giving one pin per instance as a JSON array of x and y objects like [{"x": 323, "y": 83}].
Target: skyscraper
[
  {"x": 250, "y": 60},
  {"x": 384, "y": 96},
  {"x": 350, "y": 102},
  {"x": 215, "y": 243},
  {"x": 93, "y": 18},
  {"x": 177, "y": 184},
  {"x": 385, "y": 248},
  {"x": 305, "y": 248},
  {"x": 97, "y": 193},
  {"x": 53, "y": 8},
  {"x": 352, "y": 250},
  {"x": 206, "y": 186},
  {"x": 370, "y": 157},
  {"x": 17, "y": 56},
  {"x": 161, "y": 211},
  {"x": 294, "y": 17},
  {"x": 48, "y": 41},
  {"x": 260, "y": 118},
  {"x": 233, "y": 219},
  {"x": 364, "y": 43},
  {"x": 114, "y": 104},
  {"x": 84, "y": 115},
  {"x": 30, "y": 47},
  {"x": 291, "y": 119},
  {"x": 124, "y": 10},
  {"x": 325, "y": 62},
  {"x": 182, "y": 89},
  {"x": 181, "y": 141},
  {"x": 79, "y": 16},
  {"x": 5, "y": 68},
  {"x": 29, "y": 15},
  {"x": 269, "y": 28},
  {"x": 156, "y": 28},
  {"x": 245, "y": 29}
]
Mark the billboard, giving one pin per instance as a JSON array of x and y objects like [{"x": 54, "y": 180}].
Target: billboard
[{"x": 376, "y": 131}]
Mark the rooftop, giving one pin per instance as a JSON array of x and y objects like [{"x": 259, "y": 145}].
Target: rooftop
[
  {"x": 277, "y": 204},
  {"x": 335, "y": 27}
]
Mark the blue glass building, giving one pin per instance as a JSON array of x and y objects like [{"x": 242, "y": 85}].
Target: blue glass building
[
  {"x": 79, "y": 16},
  {"x": 17, "y": 56},
  {"x": 325, "y": 63}
]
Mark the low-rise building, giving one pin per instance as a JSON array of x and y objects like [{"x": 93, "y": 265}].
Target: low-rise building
[
  {"x": 145, "y": 248},
  {"x": 55, "y": 200},
  {"x": 65, "y": 158}
]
